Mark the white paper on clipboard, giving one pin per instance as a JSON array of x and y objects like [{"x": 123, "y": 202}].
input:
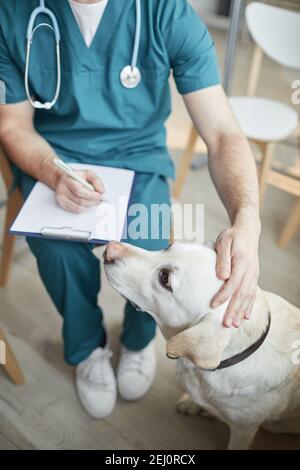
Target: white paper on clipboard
[{"x": 41, "y": 215}]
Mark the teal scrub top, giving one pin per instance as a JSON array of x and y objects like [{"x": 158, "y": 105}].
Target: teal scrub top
[{"x": 96, "y": 120}]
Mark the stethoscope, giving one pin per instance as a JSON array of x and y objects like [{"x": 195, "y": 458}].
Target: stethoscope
[{"x": 130, "y": 76}]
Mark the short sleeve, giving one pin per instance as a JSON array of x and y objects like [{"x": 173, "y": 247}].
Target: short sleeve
[
  {"x": 191, "y": 49},
  {"x": 11, "y": 78}
]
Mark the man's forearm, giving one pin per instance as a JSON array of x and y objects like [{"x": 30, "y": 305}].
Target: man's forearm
[
  {"x": 233, "y": 171},
  {"x": 31, "y": 153}
]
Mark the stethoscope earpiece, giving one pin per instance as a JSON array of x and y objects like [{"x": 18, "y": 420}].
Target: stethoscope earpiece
[{"x": 130, "y": 76}]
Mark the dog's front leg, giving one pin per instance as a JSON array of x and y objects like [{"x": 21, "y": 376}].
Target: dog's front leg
[{"x": 241, "y": 437}]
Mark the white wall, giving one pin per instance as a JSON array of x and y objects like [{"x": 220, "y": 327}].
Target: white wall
[{"x": 205, "y": 6}]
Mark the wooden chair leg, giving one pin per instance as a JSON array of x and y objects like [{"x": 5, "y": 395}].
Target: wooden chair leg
[
  {"x": 185, "y": 164},
  {"x": 291, "y": 226},
  {"x": 11, "y": 365},
  {"x": 265, "y": 167},
  {"x": 13, "y": 206},
  {"x": 172, "y": 234}
]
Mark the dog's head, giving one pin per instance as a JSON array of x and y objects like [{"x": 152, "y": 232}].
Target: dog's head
[{"x": 176, "y": 287}]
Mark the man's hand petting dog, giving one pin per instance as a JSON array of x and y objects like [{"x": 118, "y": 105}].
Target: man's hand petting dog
[{"x": 238, "y": 266}]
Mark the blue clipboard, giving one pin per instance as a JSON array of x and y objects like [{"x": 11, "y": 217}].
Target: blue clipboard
[{"x": 69, "y": 233}]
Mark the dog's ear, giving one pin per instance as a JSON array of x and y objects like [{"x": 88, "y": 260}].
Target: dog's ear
[{"x": 203, "y": 344}]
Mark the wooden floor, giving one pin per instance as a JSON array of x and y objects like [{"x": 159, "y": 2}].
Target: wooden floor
[{"x": 45, "y": 414}]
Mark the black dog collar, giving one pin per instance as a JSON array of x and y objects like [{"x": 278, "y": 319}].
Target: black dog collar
[{"x": 231, "y": 361}]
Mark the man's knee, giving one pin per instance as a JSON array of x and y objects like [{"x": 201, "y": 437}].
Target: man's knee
[
  {"x": 150, "y": 244},
  {"x": 152, "y": 232}
]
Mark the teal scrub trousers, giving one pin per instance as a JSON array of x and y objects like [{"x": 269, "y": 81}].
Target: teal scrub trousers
[{"x": 71, "y": 275}]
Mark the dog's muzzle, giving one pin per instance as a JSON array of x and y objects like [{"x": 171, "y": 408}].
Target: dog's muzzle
[{"x": 114, "y": 251}]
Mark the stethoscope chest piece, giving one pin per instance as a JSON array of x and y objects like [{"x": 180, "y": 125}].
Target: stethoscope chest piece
[{"x": 130, "y": 77}]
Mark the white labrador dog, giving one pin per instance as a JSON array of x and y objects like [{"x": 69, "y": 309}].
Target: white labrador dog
[{"x": 260, "y": 382}]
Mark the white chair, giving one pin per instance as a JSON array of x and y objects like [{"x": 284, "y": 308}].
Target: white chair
[
  {"x": 11, "y": 365},
  {"x": 276, "y": 33},
  {"x": 14, "y": 203},
  {"x": 266, "y": 122}
]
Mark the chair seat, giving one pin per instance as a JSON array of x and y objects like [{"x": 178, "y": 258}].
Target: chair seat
[{"x": 264, "y": 119}]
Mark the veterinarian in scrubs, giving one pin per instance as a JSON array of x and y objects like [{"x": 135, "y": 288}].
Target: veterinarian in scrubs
[{"x": 98, "y": 120}]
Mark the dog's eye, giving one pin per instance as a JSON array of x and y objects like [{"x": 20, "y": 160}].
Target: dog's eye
[{"x": 165, "y": 279}]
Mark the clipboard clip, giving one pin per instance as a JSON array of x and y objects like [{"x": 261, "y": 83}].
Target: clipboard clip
[{"x": 66, "y": 233}]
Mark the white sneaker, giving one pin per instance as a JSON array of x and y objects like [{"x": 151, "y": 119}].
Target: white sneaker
[
  {"x": 136, "y": 372},
  {"x": 96, "y": 383}
]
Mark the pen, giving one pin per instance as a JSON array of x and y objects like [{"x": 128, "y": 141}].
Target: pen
[{"x": 72, "y": 174}]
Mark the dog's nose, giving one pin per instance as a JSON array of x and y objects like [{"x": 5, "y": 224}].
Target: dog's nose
[{"x": 113, "y": 252}]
